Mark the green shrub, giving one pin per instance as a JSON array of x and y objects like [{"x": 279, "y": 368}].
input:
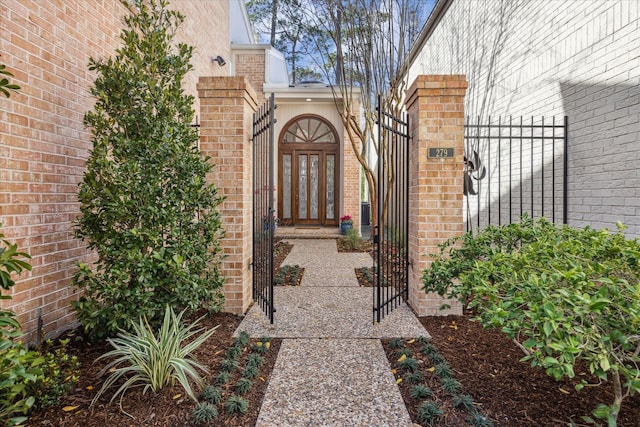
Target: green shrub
[
  {"x": 250, "y": 372},
  {"x": 420, "y": 391},
  {"x": 155, "y": 359},
  {"x": 450, "y": 385},
  {"x": 228, "y": 365},
  {"x": 236, "y": 405},
  {"x": 428, "y": 413},
  {"x": 414, "y": 377},
  {"x": 146, "y": 208},
  {"x": 352, "y": 239},
  {"x": 242, "y": 339},
  {"x": 396, "y": 343},
  {"x": 19, "y": 367},
  {"x": 204, "y": 413},
  {"x": 59, "y": 374},
  {"x": 223, "y": 378},
  {"x": 211, "y": 394},
  {"x": 244, "y": 385},
  {"x": 408, "y": 364},
  {"x": 255, "y": 360},
  {"x": 463, "y": 401},
  {"x": 443, "y": 370},
  {"x": 4, "y": 82},
  {"x": 570, "y": 294},
  {"x": 477, "y": 419}
]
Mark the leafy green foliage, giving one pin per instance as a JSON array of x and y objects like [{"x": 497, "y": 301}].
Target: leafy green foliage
[
  {"x": 204, "y": 413},
  {"x": 229, "y": 365},
  {"x": 223, "y": 378},
  {"x": 10, "y": 263},
  {"x": 211, "y": 394},
  {"x": 19, "y": 367},
  {"x": 146, "y": 207},
  {"x": 463, "y": 401},
  {"x": 443, "y": 370},
  {"x": 250, "y": 372},
  {"x": 236, "y": 405},
  {"x": 570, "y": 294},
  {"x": 477, "y": 419},
  {"x": 408, "y": 364},
  {"x": 414, "y": 377},
  {"x": 60, "y": 372},
  {"x": 255, "y": 360},
  {"x": 403, "y": 352},
  {"x": 242, "y": 339},
  {"x": 396, "y": 343},
  {"x": 244, "y": 385},
  {"x": 420, "y": 391},
  {"x": 428, "y": 413},
  {"x": 353, "y": 239},
  {"x": 5, "y": 86},
  {"x": 155, "y": 359},
  {"x": 450, "y": 385}
]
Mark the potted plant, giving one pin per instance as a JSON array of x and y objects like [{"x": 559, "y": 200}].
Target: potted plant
[{"x": 346, "y": 223}]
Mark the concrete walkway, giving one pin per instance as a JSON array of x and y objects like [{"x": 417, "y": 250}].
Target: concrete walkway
[{"x": 331, "y": 369}]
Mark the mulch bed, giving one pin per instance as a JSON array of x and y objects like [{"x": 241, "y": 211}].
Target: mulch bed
[
  {"x": 510, "y": 392},
  {"x": 170, "y": 406},
  {"x": 363, "y": 246}
]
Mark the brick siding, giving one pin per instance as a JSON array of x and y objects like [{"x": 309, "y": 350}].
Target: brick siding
[
  {"x": 44, "y": 144},
  {"x": 549, "y": 58}
]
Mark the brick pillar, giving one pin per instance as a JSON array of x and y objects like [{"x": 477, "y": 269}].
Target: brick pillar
[
  {"x": 435, "y": 105},
  {"x": 226, "y": 108}
]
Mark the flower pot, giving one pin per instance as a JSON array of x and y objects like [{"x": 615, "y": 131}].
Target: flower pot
[{"x": 344, "y": 227}]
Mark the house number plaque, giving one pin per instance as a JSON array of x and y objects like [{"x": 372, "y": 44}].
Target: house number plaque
[{"x": 440, "y": 153}]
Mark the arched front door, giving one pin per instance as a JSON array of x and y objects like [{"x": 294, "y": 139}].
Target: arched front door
[{"x": 308, "y": 174}]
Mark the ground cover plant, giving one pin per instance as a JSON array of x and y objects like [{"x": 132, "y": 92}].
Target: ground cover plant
[
  {"x": 566, "y": 296},
  {"x": 146, "y": 207},
  {"x": 432, "y": 394}
]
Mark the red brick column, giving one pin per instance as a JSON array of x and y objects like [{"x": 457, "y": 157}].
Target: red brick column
[
  {"x": 226, "y": 108},
  {"x": 435, "y": 105}
]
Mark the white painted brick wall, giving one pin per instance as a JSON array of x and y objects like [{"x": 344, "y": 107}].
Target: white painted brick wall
[{"x": 551, "y": 58}]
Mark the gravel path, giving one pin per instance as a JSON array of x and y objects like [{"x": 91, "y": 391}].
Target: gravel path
[{"x": 331, "y": 369}]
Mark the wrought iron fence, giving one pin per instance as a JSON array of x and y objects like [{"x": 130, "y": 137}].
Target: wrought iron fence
[
  {"x": 392, "y": 250},
  {"x": 263, "y": 206},
  {"x": 515, "y": 167}
]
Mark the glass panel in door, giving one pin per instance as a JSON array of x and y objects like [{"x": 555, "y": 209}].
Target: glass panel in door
[
  {"x": 330, "y": 196},
  {"x": 302, "y": 186},
  {"x": 286, "y": 186},
  {"x": 313, "y": 186}
]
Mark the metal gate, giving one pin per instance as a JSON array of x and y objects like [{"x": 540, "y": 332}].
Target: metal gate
[
  {"x": 263, "y": 210},
  {"x": 391, "y": 256},
  {"x": 514, "y": 167}
]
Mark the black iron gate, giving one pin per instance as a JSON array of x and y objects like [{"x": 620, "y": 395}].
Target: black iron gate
[
  {"x": 263, "y": 210},
  {"x": 391, "y": 257},
  {"x": 515, "y": 167}
]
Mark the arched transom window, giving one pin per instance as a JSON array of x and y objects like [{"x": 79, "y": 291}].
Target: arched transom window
[{"x": 309, "y": 130}]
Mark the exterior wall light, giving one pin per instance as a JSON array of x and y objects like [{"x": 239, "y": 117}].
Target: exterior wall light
[{"x": 219, "y": 59}]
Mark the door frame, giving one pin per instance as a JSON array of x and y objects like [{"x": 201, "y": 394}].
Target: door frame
[{"x": 323, "y": 149}]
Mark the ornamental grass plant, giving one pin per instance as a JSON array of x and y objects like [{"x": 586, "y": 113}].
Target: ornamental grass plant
[{"x": 155, "y": 360}]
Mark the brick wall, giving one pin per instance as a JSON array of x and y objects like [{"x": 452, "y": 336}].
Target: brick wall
[
  {"x": 435, "y": 105},
  {"x": 44, "y": 145},
  {"x": 251, "y": 63},
  {"x": 574, "y": 58},
  {"x": 227, "y": 106}
]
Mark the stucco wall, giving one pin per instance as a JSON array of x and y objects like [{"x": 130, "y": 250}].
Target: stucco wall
[
  {"x": 550, "y": 58},
  {"x": 43, "y": 142}
]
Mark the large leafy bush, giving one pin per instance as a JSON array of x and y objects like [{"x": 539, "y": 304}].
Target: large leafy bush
[
  {"x": 146, "y": 208},
  {"x": 565, "y": 294},
  {"x": 18, "y": 365}
]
